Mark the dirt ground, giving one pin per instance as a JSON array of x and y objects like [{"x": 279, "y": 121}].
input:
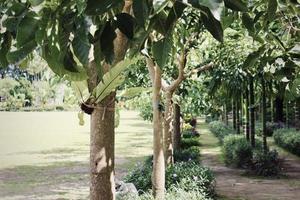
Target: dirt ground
[{"x": 236, "y": 185}]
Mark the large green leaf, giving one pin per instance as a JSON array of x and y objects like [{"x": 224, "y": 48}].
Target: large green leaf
[
  {"x": 80, "y": 43},
  {"x": 26, "y": 29},
  {"x": 112, "y": 79},
  {"x": 272, "y": 8},
  {"x": 237, "y": 5},
  {"x": 63, "y": 64},
  {"x": 248, "y": 22},
  {"x": 21, "y": 53},
  {"x": 253, "y": 57},
  {"x": 5, "y": 46},
  {"x": 99, "y": 7},
  {"x": 174, "y": 14},
  {"x": 140, "y": 11},
  {"x": 107, "y": 42},
  {"x": 125, "y": 23},
  {"x": 36, "y": 2},
  {"x": 159, "y": 5},
  {"x": 215, "y": 6},
  {"x": 161, "y": 51},
  {"x": 212, "y": 25},
  {"x": 134, "y": 91}
]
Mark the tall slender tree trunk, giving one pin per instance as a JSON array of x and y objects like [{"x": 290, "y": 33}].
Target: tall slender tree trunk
[
  {"x": 264, "y": 114},
  {"x": 247, "y": 113},
  {"x": 158, "y": 174},
  {"x": 102, "y": 160},
  {"x": 167, "y": 129},
  {"x": 176, "y": 127},
  {"x": 238, "y": 121},
  {"x": 226, "y": 114},
  {"x": 287, "y": 113},
  {"x": 234, "y": 114},
  {"x": 252, "y": 112},
  {"x": 279, "y": 109}
]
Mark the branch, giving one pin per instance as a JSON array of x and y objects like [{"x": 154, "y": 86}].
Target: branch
[
  {"x": 181, "y": 66},
  {"x": 200, "y": 69}
]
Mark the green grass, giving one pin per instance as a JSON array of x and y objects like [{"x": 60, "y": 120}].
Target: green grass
[{"x": 46, "y": 154}]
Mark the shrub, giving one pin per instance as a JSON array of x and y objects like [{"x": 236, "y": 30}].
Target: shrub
[
  {"x": 270, "y": 128},
  {"x": 190, "y": 176},
  {"x": 173, "y": 194},
  {"x": 189, "y": 142},
  {"x": 192, "y": 153},
  {"x": 237, "y": 151},
  {"x": 266, "y": 164},
  {"x": 140, "y": 176},
  {"x": 288, "y": 139},
  {"x": 220, "y": 130}
]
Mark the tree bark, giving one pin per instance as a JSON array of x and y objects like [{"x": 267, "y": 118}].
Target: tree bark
[
  {"x": 102, "y": 138},
  {"x": 279, "y": 109},
  {"x": 226, "y": 114},
  {"x": 287, "y": 114},
  {"x": 264, "y": 114},
  {"x": 237, "y": 115},
  {"x": 167, "y": 129},
  {"x": 158, "y": 174},
  {"x": 102, "y": 151},
  {"x": 234, "y": 114},
  {"x": 252, "y": 112},
  {"x": 247, "y": 114},
  {"x": 176, "y": 127}
]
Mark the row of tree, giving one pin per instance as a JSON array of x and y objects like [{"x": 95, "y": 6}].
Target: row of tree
[{"x": 94, "y": 41}]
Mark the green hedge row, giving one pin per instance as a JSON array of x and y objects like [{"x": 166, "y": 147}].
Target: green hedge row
[
  {"x": 185, "y": 175},
  {"x": 288, "y": 139},
  {"x": 220, "y": 130}
]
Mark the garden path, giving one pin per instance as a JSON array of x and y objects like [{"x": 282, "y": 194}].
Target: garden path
[{"x": 234, "y": 184}]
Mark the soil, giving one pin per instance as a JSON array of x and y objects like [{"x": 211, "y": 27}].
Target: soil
[{"x": 235, "y": 184}]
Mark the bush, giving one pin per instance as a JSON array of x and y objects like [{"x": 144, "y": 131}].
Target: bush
[
  {"x": 270, "y": 128},
  {"x": 266, "y": 164},
  {"x": 189, "y": 142},
  {"x": 190, "y": 176},
  {"x": 237, "y": 151},
  {"x": 192, "y": 153},
  {"x": 140, "y": 176},
  {"x": 220, "y": 130},
  {"x": 173, "y": 194},
  {"x": 288, "y": 139}
]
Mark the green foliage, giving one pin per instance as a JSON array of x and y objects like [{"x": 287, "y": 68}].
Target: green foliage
[
  {"x": 237, "y": 151},
  {"x": 189, "y": 142},
  {"x": 190, "y": 176},
  {"x": 191, "y": 153},
  {"x": 220, "y": 130},
  {"x": 172, "y": 194},
  {"x": 266, "y": 164},
  {"x": 140, "y": 176},
  {"x": 288, "y": 139},
  {"x": 111, "y": 80}
]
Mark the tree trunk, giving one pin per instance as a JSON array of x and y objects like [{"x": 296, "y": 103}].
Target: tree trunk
[
  {"x": 226, "y": 114},
  {"x": 287, "y": 120},
  {"x": 279, "y": 109},
  {"x": 233, "y": 114},
  {"x": 264, "y": 114},
  {"x": 238, "y": 115},
  {"x": 252, "y": 112},
  {"x": 167, "y": 129},
  {"x": 176, "y": 127},
  {"x": 247, "y": 114},
  {"x": 158, "y": 174},
  {"x": 102, "y": 151}
]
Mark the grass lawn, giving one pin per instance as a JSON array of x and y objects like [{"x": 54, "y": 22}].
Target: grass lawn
[{"x": 44, "y": 155}]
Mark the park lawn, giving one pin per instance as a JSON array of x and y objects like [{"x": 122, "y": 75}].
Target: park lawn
[{"x": 45, "y": 155}]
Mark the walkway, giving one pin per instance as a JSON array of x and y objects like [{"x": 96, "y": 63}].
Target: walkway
[{"x": 233, "y": 184}]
